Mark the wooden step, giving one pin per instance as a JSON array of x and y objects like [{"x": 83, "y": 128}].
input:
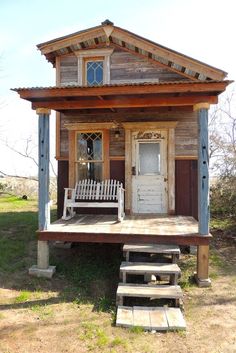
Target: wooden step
[
  {"x": 147, "y": 291},
  {"x": 151, "y": 318},
  {"x": 143, "y": 268},
  {"x": 172, "y": 250}
]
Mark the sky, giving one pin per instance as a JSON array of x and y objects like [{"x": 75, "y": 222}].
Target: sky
[{"x": 202, "y": 29}]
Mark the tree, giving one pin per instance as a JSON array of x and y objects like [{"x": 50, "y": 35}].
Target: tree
[
  {"x": 27, "y": 150},
  {"x": 222, "y": 129}
]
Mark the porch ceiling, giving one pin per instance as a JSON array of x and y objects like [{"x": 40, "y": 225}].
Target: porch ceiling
[{"x": 131, "y": 96}]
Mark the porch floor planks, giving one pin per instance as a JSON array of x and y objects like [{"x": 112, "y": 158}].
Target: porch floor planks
[
  {"x": 153, "y": 225},
  {"x": 151, "y": 318},
  {"x": 134, "y": 229}
]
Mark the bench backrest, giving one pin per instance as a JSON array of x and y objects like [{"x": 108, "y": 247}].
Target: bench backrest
[{"x": 92, "y": 190}]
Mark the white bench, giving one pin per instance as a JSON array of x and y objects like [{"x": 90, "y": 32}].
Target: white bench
[{"x": 90, "y": 193}]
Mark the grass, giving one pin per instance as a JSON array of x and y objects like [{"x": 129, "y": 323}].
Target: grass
[
  {"x": 18, "y": 223},
  {"x": 136, "y": 329},
  {"x": 93, "y": 332},
  {"x": 96, "y": 338},
  {"x": 225, "y": 224},
  {"x": 93, "y": 274},
  {"x": 77, "y": 306},
  {"x": 188, "y": 267},
  {"x": 42, "y": 311},
  {"x": 23, "y": 297}
]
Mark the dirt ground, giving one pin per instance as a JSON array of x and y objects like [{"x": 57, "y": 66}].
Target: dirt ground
[{"x": 40, "y": 315}]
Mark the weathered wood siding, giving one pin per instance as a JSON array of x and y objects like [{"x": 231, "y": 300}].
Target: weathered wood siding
[
  {"x": 186, "y": 143},
  {"x": 64, "y": 144},
  {"x": 117, "y": 144},
  {"x": 185, "y": 185},
  {"x": 69, "y": 69},
  {"x": 124, "y": 67},
  {"x": 127, "y": 67},
  {"x": 186, "y": 135}
]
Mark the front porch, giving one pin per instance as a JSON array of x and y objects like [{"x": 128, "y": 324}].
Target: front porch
[{"x": 155, "y": 229}]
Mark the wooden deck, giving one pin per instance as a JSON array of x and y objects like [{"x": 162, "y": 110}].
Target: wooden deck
[{"x": 179, "y": 230}]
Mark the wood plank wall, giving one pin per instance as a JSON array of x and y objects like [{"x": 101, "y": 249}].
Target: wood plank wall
[
  {"x": 69, "y": 69},
  {"x": 127, "y": 67},
  {"x": 186, "y": 144},
  {"x": 117, "y": 143},
  {"x": 185, "y": 184}
]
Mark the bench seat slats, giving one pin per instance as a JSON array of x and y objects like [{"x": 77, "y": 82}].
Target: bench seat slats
[{"x": 89, "y": 193}]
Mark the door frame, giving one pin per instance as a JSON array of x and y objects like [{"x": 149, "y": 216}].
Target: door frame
[
  {"x": 149, "y": 136},
  {"x": 168, "y": 126}
]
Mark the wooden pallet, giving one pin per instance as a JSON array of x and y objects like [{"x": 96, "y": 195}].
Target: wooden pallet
[
  {"x": 172, "y": 250},
  {"x": 151, "y": 318},
  {"x": 143, "y": 268},
  {"x": 148, "y": 291}
]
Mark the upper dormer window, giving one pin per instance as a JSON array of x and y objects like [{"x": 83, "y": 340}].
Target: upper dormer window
[
  {"x": 94, "y": 66},
  {"x": 94, "y": 72}
]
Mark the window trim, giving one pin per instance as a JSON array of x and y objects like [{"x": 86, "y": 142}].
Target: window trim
[
  {"x": 92, "y": 59},
  {"x": 101, "y": 55},
  {"x": 73, "y": 153},
  {"x": 102, "y": 161},
  {"x": 90, "y": 127}
]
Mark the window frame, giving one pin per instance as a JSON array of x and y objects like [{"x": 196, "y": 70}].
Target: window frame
[
  {"x": 88, "y": 160},
  {"x": 92, "y": 59},
  {"x": 105, "y": 154},
  {"x": 101, "y": 55}
]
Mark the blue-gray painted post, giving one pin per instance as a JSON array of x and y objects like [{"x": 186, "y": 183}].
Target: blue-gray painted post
[
  {"x": 43, "y": 171},
  {"x": 42, "y": 269},
  {"x": 203, "y": 172}
]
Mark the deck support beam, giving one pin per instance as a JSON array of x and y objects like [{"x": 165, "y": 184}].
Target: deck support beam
[
  {"x": 203, "y": 194},
  {"x": 42, "y": 269}
]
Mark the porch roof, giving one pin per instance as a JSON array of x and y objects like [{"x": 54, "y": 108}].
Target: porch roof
[{"x": 126, "y": 95}]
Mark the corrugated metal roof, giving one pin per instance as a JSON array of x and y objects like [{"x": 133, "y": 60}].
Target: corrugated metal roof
[
  {"x": 41, "y": 45},
  {"x": 124, "y": 85}
]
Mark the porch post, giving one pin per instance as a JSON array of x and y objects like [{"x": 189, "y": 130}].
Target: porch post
[
  {"x": 202, "y": 276},
  {"x": 42, "y": 269}
]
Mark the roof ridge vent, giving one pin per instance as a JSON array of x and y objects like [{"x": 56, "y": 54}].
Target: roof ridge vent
[{"x": 107, "y": 23}]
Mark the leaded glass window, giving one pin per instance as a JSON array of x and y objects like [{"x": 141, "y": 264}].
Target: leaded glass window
[
  {"x": 94, "y": 71},
  {"x": 89, "y": 155}
]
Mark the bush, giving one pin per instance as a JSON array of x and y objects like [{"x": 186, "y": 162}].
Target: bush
[{"x": 223, "y": 197}]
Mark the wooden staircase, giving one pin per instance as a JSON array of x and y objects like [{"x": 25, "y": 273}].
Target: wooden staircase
[{"x": 158, "y": 318}]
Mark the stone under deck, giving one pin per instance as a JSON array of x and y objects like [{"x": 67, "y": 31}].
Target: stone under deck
[{"x": 181, "y": 230}]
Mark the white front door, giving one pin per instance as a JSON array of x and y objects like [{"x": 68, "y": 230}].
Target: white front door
[{"x": 149, "y": 172}]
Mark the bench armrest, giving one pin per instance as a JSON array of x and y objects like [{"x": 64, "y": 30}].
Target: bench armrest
[{"x": 69, "y": 194}]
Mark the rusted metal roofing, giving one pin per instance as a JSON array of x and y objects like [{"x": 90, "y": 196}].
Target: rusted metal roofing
[
  {"x": 174, "y": 65},
  {"x": 66, "y": 36},
  {"x": 62, "y": 87}
]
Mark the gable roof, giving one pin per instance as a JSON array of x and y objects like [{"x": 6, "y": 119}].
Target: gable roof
[{"x": 107, "y": 34}]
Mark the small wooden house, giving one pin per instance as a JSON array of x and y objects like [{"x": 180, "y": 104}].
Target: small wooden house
[{"x": 135, "y": 111}]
